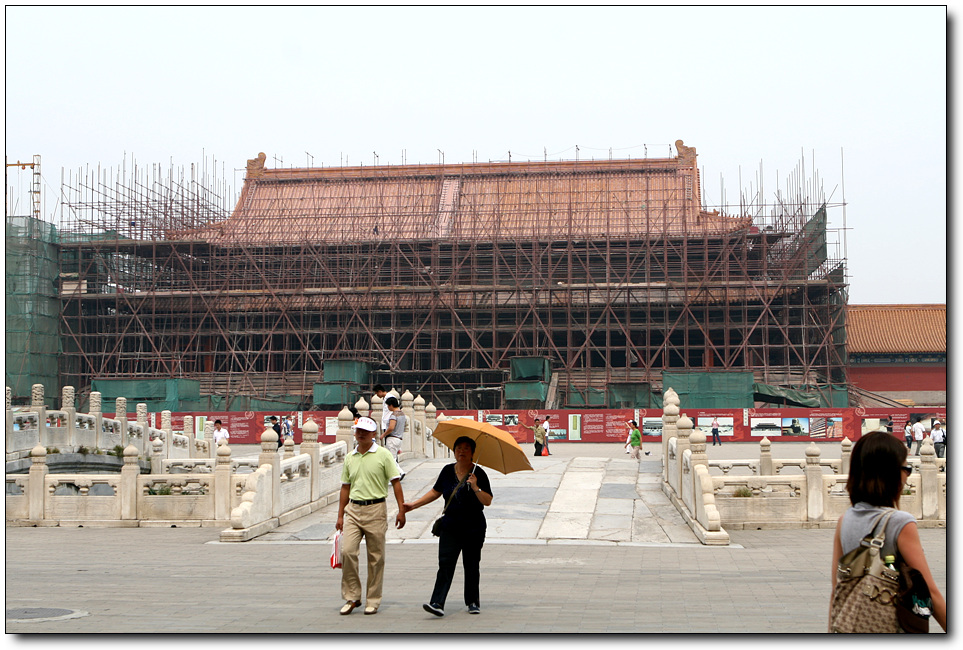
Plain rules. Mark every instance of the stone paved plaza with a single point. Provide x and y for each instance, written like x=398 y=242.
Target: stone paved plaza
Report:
x=585 y=544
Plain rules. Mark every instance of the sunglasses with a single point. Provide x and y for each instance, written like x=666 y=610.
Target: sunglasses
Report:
x=907 y=468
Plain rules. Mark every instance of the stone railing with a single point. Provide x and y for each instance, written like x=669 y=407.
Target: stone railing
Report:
x=713 y=498
x=67 y=431
x=197 y=492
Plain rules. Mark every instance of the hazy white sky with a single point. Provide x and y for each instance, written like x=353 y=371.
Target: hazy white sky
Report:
x=87 y=86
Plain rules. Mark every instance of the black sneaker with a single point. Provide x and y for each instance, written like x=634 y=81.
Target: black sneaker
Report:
x=474 y=609
x=433 y=608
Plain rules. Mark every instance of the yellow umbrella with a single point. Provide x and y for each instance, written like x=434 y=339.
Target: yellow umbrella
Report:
x=494 y=447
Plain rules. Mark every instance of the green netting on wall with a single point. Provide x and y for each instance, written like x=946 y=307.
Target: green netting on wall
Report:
x=531 y=368
x=585 y=396
x=32 y=307
x=630 y=396
x=711 y=389
x=159 y=394
x=527 y=390
x=326 y=394
x=340 y=371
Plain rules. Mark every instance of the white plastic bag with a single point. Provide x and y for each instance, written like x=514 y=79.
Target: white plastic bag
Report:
x=336 y=551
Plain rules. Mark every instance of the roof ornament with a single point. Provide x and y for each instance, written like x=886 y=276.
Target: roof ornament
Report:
x=255 y=166
x=686 y=154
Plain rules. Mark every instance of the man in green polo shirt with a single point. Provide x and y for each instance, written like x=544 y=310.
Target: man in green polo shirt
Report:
x=363 y=513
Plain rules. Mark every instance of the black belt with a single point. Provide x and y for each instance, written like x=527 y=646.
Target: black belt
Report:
x=368 y=502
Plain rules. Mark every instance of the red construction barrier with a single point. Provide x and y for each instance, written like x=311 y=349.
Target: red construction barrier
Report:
x=608 y=425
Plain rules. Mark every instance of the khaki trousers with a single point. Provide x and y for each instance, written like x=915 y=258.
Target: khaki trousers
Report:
x=634 y=454
x=371 y=523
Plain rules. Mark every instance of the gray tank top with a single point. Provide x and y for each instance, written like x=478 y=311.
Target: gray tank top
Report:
x=857 y=523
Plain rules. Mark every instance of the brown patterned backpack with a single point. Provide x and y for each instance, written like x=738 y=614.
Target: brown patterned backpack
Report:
x=866 y=589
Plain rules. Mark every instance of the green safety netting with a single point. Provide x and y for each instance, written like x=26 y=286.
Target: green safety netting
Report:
x=711 y=389
x=326 y=394
x=531 y=368
x=32 y=305
x=785 y=396
x=585 y=396
x=339 y=371
x=528 y=390
x=630 y=396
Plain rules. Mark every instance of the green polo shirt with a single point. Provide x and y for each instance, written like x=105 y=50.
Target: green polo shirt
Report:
x=369 y=473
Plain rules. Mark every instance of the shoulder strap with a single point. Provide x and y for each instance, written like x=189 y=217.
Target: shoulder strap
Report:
x=452 y=497
x=874 y=538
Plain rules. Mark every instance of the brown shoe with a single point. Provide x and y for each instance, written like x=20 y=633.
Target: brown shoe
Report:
x=349 y=606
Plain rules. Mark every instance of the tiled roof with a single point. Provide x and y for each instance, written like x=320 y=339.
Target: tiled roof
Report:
x=535 y=200
x=894 y=329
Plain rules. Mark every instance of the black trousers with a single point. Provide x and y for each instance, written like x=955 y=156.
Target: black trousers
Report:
x=538 y=448
x=467 y=543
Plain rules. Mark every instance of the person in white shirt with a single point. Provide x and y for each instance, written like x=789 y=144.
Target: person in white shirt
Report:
x=220 y=433
x=908 y=434
x=394 y=432
x=919 y=433
x=385 y=413
x=939 y=439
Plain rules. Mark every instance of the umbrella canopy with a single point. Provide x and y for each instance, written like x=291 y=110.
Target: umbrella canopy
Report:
x=494 y=448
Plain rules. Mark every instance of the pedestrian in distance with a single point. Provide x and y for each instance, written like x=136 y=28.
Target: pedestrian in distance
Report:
x=539 y=434
x=467 y=492
x=287 y=427
x=635 y=440
x=394 y=433
x=938 y=434
x=363 y=513
x=385 y=412
x=277 y=429
x=715 y=432
x=919 y=432
x=545 y=426
x=220 y=433
x=908 y=434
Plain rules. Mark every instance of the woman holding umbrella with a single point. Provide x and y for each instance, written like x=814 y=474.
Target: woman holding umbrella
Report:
x=467 y=491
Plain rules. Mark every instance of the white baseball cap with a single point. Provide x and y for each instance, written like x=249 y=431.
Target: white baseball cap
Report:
x=936 y=422
x=367 y=424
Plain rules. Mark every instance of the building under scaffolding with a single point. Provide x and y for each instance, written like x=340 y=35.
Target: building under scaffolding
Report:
x=484 y=285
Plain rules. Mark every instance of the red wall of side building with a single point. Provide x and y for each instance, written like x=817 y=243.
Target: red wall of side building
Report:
x=895 y=377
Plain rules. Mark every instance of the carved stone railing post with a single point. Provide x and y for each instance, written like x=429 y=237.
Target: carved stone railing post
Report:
x=362 y=407
x=141 y=414
x=814 y=484
x=9 y=416
x=36 y=490
x=697 y=447
x=683 y=429
x=418 y=432
x=765 y=457
x=311 y=447
x=128 y=482
x=345 y=421
x=188 y=429
x=120 y=414
x=670 y=416
x=845 y=456
x=269 y=456
x=222 y=483
x=68 y=406
x=37 y=404
x=157 y=456
x=209 y=438
x=929 y=485
x=407 y=407
x=168 y=433
x=288 y=447
x=431 y=423
x=96 y=410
